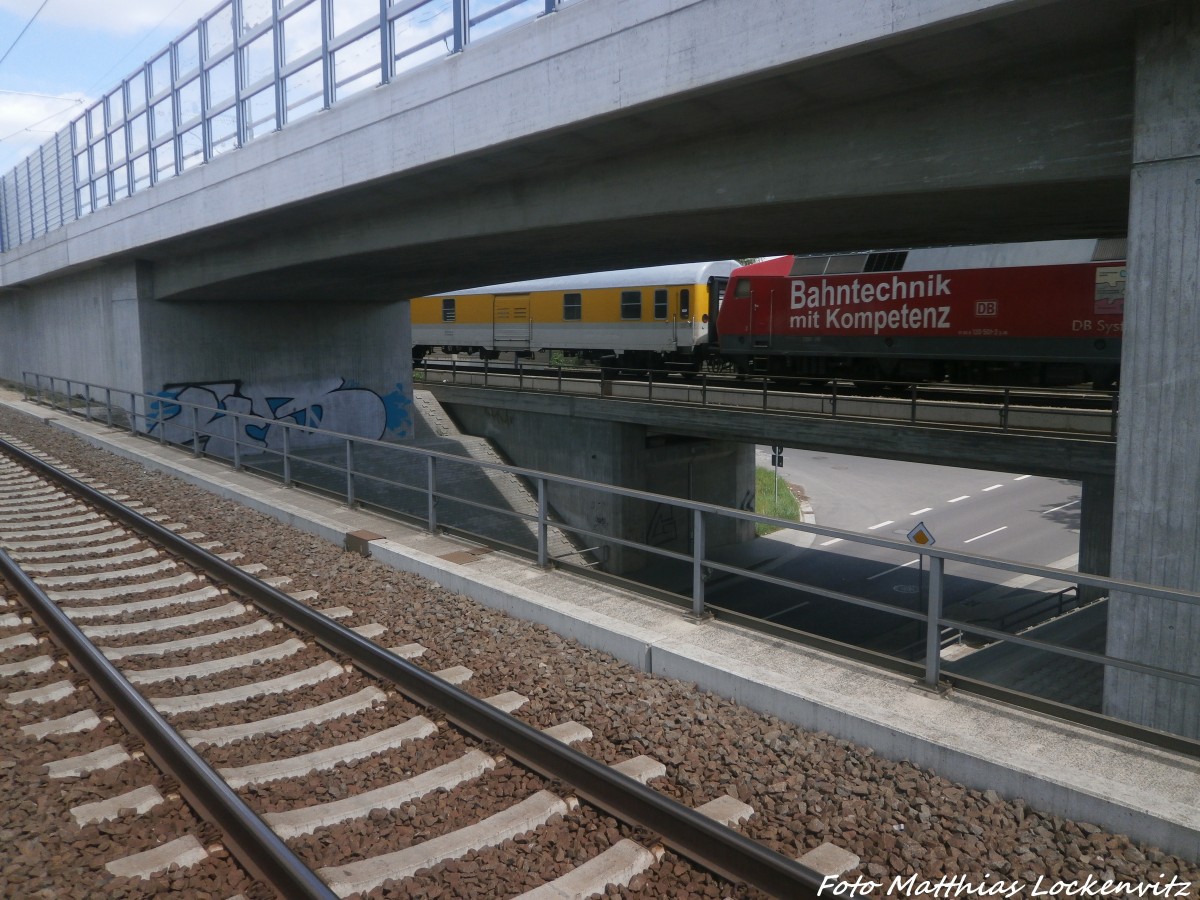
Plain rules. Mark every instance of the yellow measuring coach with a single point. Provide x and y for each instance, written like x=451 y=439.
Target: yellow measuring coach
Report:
x=653 y=317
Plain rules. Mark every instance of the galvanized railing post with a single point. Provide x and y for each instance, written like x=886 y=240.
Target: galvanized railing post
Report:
x=287 y=457
x=133 y=414
x=485 y=370
x=160 y=421
x=25 y=386
x=704 y=389
x=67 y=398
x=543 y=548
x=195 y=431
x=431 y=484
x=350 y=472
x=933 y=642
x=108 y=405
x=766 y=381
x=1004 y=410
x=913 y=415
x=649 y=384
x=87 y=400
x=237 y=447
x=697 y=564
x=520 y=376
x=560 y=379
x=833 y=400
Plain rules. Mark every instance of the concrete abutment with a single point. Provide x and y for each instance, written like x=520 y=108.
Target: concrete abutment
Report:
x=1157 y=499
x=629 y=456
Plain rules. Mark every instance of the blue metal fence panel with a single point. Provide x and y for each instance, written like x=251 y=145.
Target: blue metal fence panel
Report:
x=244 y=69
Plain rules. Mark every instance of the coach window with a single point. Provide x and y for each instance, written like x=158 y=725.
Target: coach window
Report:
x=631 y=304
x=685 y=304
x=660 y=304
x=447 y=309
x=572 y=307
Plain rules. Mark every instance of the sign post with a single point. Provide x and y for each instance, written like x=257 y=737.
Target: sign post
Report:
x=776 y=462
x=923 y=537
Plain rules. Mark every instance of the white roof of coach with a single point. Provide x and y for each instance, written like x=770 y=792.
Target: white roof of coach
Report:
x=682 y=273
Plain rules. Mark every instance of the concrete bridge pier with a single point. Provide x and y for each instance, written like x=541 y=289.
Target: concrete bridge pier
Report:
x=629 y=456
x=1156 y=533
x=1095 y=529
x=339 y=364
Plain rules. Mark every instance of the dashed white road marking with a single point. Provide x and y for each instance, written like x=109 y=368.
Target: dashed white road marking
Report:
x=893 y=569
x=1022 y=477
x=956 y=499
x=993 y=488
x=917 y=512
x=1057 y=508
x=985 y=534
x=881 y=525
x=831 y=542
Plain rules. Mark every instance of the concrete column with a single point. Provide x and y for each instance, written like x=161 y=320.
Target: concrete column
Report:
x=1156 y=532
x=1095 y=530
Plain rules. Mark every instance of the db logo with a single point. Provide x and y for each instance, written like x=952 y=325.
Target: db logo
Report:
x=987 y=308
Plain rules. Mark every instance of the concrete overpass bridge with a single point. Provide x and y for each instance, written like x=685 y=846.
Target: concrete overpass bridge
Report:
x=231 y=218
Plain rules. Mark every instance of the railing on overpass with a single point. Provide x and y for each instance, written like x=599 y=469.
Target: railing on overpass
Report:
x=332 y=463
x=247 y=68
x=1073 y=413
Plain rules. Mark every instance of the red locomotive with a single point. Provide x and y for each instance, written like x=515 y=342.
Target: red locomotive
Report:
x=1047 y=313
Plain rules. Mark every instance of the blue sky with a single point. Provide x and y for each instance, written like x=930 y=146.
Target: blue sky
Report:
x=75 y=51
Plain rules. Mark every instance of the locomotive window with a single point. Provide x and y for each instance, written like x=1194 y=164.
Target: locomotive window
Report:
x=886 y=262
x=685 y=306
x=742 y=291
x=572 y=307
x=631 y=304
x=660 y=304
x=447 y=309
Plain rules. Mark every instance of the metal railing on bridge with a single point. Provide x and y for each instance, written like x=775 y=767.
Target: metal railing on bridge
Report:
x=417 y=485
x=1068 y=413
x=247 y=68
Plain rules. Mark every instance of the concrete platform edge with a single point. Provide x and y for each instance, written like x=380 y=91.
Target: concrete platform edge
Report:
x=1059 y=768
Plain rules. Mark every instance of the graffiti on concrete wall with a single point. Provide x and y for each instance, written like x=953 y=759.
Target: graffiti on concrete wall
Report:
x=219 y=412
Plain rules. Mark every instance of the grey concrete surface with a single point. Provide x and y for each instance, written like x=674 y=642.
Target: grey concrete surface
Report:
x=890 y=126
x=1069 y=770
x=1157 y=496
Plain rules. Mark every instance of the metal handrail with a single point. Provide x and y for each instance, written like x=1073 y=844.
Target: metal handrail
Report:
x=999 y=409
x=933 y=616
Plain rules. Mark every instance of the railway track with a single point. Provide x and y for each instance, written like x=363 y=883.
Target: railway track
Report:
x=323 y=757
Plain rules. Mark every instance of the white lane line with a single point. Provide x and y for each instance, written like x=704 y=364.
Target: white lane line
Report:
x=784 y=612
x=956 y=499
x=985 y=534
x=830 y=543
x=918 y=512
x=893 y=569
x=1022 y=477
x=881 y=525
x=992 y=488
x=1057 y=508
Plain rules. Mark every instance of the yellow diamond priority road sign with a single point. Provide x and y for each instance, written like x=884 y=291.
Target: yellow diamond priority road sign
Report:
x=921 y=536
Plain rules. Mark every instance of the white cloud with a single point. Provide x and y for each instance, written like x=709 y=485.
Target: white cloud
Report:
x=128 y=17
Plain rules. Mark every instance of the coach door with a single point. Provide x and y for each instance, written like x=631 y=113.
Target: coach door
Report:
x=761 y=300
x=511 y=323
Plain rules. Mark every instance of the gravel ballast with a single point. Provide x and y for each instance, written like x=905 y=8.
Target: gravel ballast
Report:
x=806 y=788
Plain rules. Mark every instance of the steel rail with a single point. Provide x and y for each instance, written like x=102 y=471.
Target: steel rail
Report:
x=702 y=840
x=249 y=838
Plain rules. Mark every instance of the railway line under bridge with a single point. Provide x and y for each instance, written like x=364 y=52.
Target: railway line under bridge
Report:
x=262 y=252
